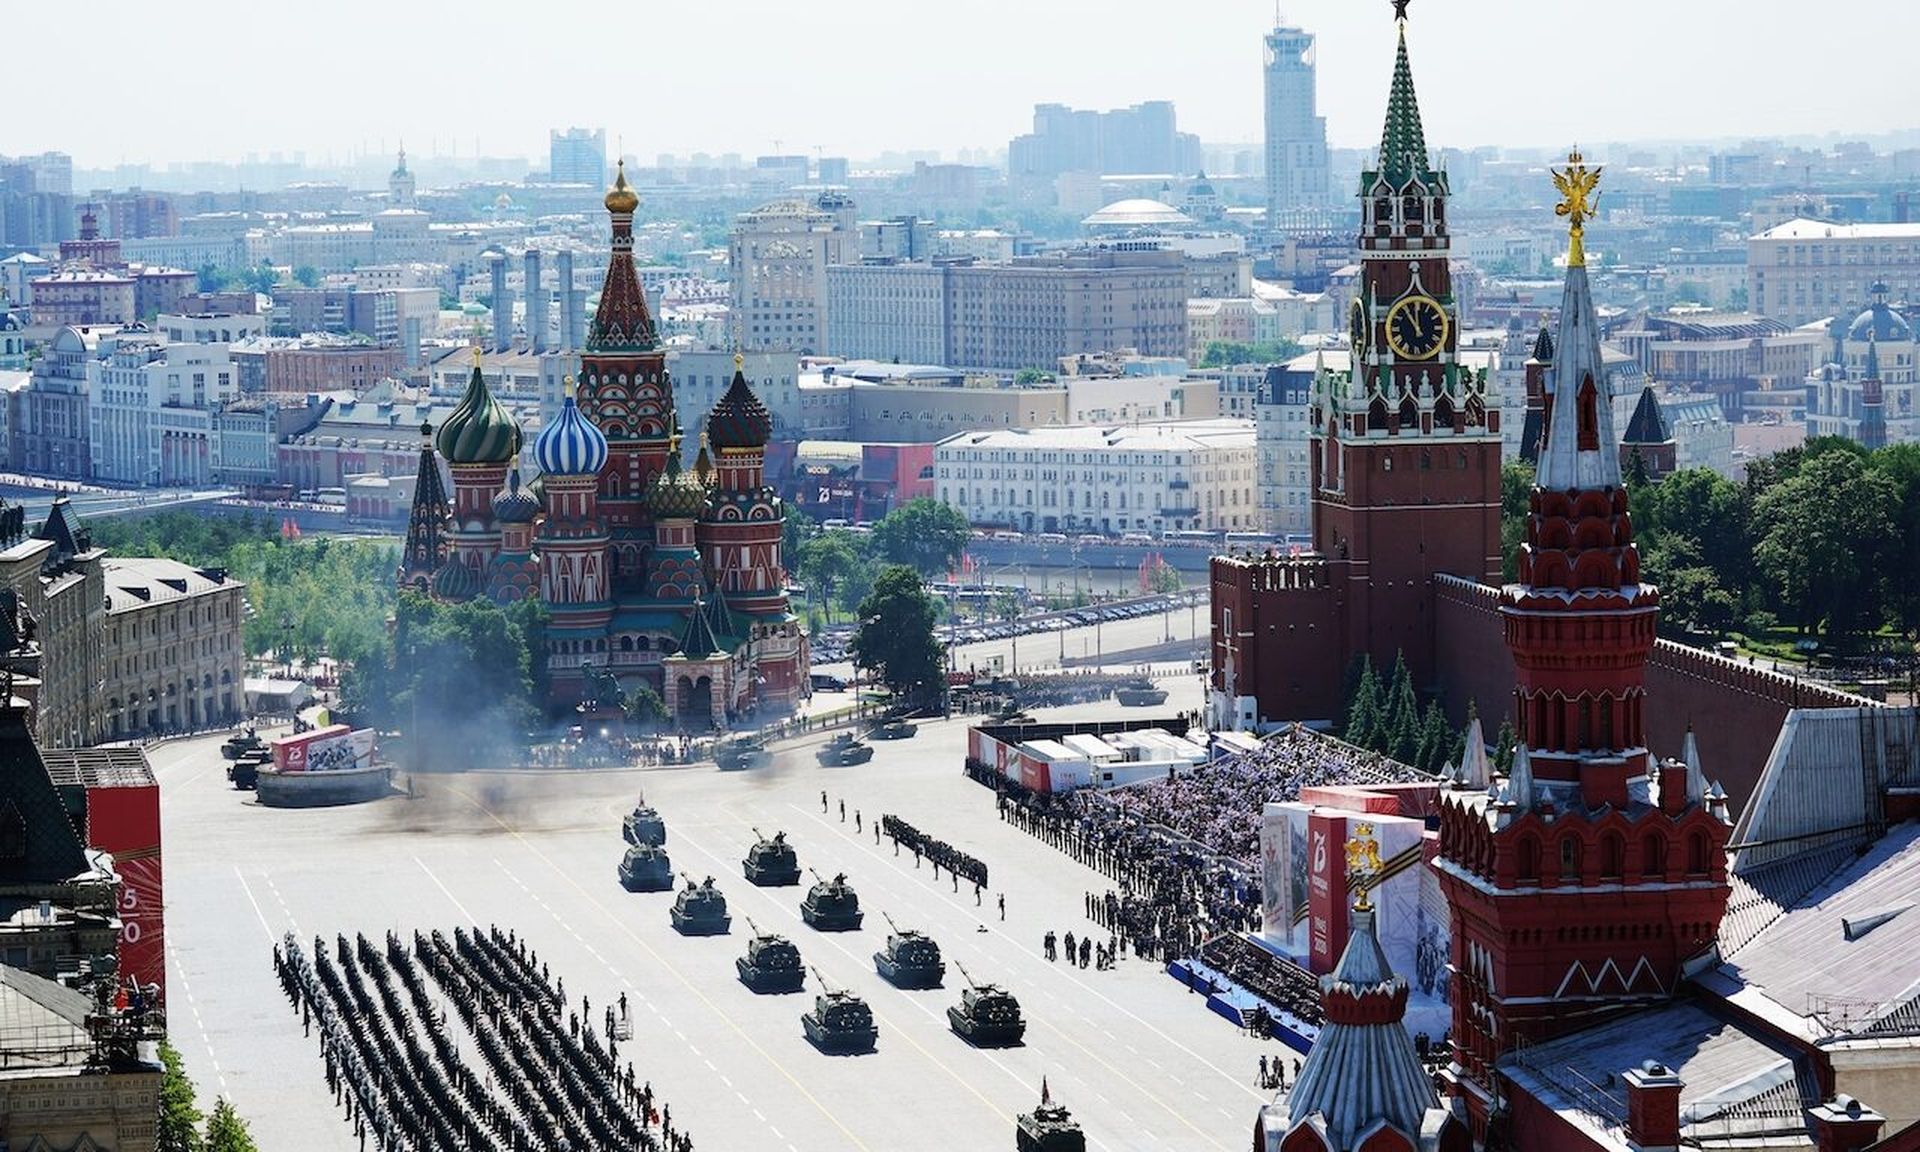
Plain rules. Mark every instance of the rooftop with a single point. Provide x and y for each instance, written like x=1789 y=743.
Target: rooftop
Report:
x=136 y=581
x=1804 y=229
x=1184 y=435
x=1136 y=213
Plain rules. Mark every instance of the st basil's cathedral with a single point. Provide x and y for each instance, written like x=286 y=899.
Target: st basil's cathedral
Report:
x=652 y=573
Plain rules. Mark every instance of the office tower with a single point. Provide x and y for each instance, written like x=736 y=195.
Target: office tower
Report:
x=577 y=156
x=1296 y=134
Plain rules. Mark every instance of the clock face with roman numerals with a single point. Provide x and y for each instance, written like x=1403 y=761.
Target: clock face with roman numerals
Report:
x=1416 y=328
x=1357 y=330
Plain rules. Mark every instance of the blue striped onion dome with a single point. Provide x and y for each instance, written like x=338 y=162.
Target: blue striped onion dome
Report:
x=571 y=445
x=456 y=581
x=739 y=420
x=479 y=430
x=514 y=504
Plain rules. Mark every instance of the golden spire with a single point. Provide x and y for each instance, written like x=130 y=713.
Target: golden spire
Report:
x=476 y=353
x=1363 y=862
x=703 y=464
x=622 y=199
x=739 y=362
x=567 y=386
x=1579 y=200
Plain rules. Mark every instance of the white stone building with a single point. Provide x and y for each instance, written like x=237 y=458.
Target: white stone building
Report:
x=1147 y=478
x=150 y=411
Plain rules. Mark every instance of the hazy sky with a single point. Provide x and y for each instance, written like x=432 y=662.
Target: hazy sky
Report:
x=217 y=79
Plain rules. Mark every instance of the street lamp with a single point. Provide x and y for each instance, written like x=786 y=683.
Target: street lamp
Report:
x=286 y=643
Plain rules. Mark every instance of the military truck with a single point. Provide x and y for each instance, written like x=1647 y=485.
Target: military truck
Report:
x=1048 y=1128
x=771 y=863
x=844 y=750
x=244 y=772
x=987 y=1016
x=831 y=905
x=911 y=959
x=772 y=963
x=740 y=752
x=700 y=910
x=840 y=1021
x=644 y=826
x=645 y=868
x=1139 y=693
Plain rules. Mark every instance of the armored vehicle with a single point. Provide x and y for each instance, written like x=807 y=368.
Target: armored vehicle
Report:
x=843 y=750
x=700 y=910
x=831 y=905
x=896 y=729
x=741 y=752
x=645 y=868
x=840 y=1021
x=771 y=863
x=244 y=772
x=911 y=960
x=1139 y=694
x=243 y=741
x=772 y=963
x=644 y=826
x=1048 y=1128
x=987 y=1016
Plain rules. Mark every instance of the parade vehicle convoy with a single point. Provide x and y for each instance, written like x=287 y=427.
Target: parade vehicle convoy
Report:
x=987 y=1016
x=771 y=863
x=700 y=910
x=895 y=729
x=840 y=1021
x=911 y=958
x=772 y=963
x=844 y=750
x=646 y=868
x=1139 y=694
x=831 y=905
x=644 y=826
x=741 y=752
x=1048 y=1128
x=241 y=742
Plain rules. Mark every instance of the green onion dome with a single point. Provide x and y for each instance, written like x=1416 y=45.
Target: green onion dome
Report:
x=456 y=581
x=479 y=430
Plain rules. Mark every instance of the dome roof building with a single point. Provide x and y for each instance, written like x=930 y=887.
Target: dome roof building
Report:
x=739 y=420
x=514 y=504
x=677 y=495
x=455 y=582
x=1138 y=213
x=479 y=430
x=1879 y=322
x=571 y=445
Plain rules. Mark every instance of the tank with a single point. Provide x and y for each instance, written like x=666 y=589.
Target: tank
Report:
x=831 y=905
x=700 y=910
x=243 y=741
x=893 y=730
x=644 y=826
x=772 y=963
x=645 y=868
x=740 y=752
x=911 y=959
x=244 y=772
x=771 y=863
x=1048 y=1128
x=1139 y=694
x=844 y=749
x=840 y=1021
x=987 y=1016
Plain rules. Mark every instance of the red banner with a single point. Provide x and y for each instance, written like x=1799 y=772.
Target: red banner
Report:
x=1326 y=890
x=126 y=822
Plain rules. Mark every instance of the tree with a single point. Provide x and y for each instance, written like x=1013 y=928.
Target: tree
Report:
x=307 y=276
x=644 y=706
x=895 y=637
x=1516 y=486
x=226 y=1131
x=1363 y=718
x=455 y=677
x=795 y=531
x=1162 y=577
x=1401 y=722
x=923 y=534
x=1899 y=464
x=1028 y=376
x=830 y=561
x=210 y=277
x=178 y=1125
x=1821 y=533
x=261 y=277
x=1503 y=745
x=1434 y=746
x=1223 y=353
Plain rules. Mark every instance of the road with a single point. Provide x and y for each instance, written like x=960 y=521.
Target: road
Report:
x=1139 y=1059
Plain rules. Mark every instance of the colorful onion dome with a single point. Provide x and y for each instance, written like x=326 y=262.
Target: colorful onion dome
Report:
x=456 y=581
x=479 y=430
x=676 y=495
x=739 y=420
x=514 y=504
x=621 y=198
x=571 y=445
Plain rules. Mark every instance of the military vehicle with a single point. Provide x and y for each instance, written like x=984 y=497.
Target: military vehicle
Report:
x=1048 y=1128
x=911 y=960
x=895 y=729
x=644 y=826
x=243 y=741
x=1139 y=694
x=843 y=750
x=832 y=905
x=987 y=1016
x=700 y=910
x=645 y=868
x=771 y=863
x=741 y=752
x=840 y=1021
x=244 y=773
x=772 y=963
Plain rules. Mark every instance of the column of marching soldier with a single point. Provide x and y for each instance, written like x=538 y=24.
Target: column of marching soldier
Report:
x=549 y=1083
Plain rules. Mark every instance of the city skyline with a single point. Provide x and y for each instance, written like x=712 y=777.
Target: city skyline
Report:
x=438 y=84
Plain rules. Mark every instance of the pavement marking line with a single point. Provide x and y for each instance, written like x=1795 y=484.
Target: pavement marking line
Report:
x=462 y=908
x=180 y=977
x=1036 y=959
x=261 y=916
x=725 y=1018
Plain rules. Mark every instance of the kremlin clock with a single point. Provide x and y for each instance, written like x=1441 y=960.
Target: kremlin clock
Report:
x=1416 y=328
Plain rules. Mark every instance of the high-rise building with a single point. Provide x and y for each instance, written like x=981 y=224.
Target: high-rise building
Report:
x=1296 y=133
x=577 y=156
x=1141 y=139
x=778 y=256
